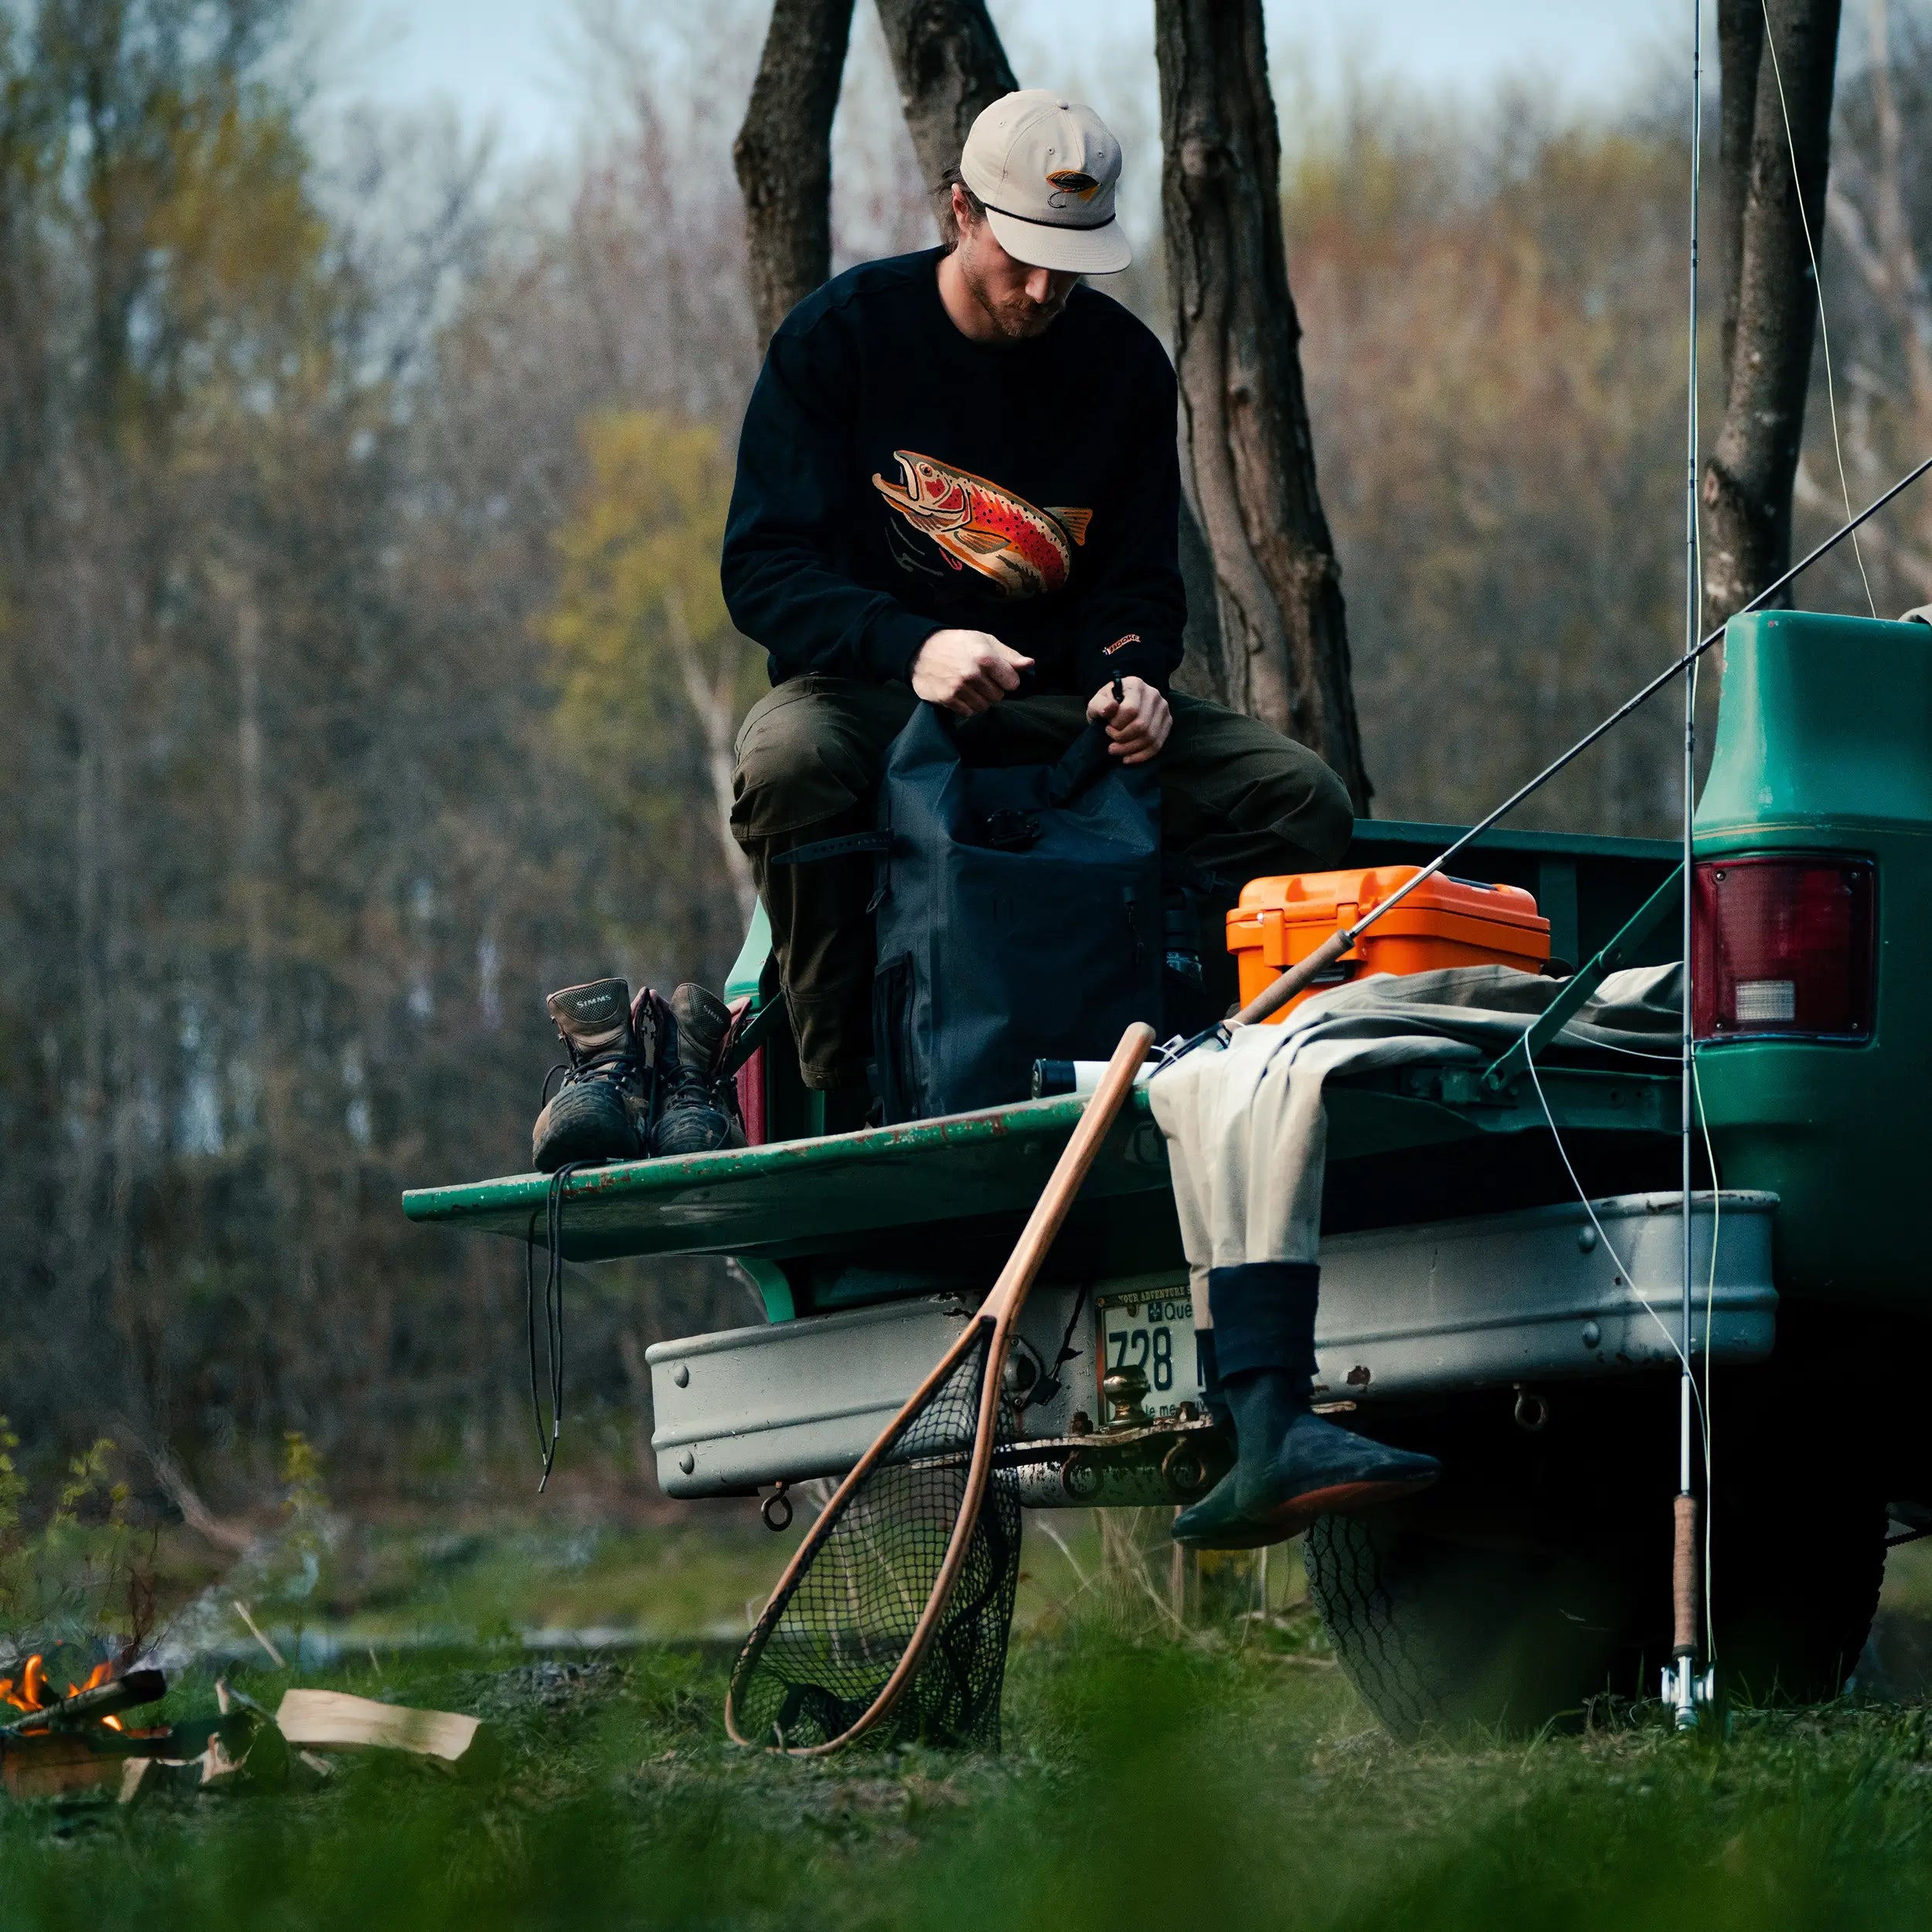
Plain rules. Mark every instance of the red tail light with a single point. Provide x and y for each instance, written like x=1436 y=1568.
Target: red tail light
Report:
x=1782 y=946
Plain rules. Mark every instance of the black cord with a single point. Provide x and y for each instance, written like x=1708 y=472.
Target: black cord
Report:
x=546 y=1444
x=556 y=1330
x=529 y=1325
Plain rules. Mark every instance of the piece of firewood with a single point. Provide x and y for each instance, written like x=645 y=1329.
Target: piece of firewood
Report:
x=58 y=1764
x=117 y=1694
x=335 y=1721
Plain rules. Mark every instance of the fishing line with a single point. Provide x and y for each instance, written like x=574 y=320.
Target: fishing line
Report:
x=1710 y=1311
x=1629 y=1279
x=1817 y=288
x=1632 y=1052
x=1717 y=1206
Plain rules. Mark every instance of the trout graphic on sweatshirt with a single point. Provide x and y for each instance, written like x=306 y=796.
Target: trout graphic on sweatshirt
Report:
x=1022 y=551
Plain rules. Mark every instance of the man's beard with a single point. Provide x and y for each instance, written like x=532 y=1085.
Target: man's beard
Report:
x=1018 y=317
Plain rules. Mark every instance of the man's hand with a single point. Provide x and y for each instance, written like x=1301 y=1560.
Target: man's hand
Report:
x=967 y=671
x=1137 y=722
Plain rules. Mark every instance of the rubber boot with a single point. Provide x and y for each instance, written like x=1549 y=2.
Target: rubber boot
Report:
x=1216 y=1515
x=1214 y=1395
x=1292 y=1465
x=698 y=1112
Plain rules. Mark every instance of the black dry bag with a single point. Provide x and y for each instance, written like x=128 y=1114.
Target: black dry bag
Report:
x=1018 y=918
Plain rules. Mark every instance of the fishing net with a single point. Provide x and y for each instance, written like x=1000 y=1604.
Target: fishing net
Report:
x=827 y=1644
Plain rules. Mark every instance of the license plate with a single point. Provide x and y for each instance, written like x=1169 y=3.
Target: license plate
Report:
x=1152 y=1329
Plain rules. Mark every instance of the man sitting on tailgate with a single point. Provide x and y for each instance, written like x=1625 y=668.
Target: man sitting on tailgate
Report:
x=958 y=481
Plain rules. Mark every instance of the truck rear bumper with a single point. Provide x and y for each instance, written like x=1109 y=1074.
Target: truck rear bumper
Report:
x=1531 y=1297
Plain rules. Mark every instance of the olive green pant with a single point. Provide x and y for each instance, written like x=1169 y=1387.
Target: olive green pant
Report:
x=1238 y=802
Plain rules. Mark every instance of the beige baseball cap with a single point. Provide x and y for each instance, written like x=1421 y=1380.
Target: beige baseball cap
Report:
x=1046 y=169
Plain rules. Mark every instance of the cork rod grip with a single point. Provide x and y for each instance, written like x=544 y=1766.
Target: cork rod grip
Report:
x=1277 y=993
x=1684 y=1576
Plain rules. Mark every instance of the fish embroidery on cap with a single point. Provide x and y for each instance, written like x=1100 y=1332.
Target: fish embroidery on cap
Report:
x=1022 y=551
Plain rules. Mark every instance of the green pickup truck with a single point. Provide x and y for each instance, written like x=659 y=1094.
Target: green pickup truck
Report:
x=1471 y=1304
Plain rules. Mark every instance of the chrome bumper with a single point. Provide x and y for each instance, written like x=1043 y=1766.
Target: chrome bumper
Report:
x=1532 y=1296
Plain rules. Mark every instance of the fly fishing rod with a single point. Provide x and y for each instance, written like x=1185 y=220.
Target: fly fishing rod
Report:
x=1298 y=976
x=1078 y=1075
x=1684 y=1689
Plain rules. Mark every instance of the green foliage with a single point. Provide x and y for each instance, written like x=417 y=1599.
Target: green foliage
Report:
x=292 y=1568
x=639 y=619
x=304 y=1500
x=82 y=1569
x=643 y=645
x=13 y=1486
x=640 y=558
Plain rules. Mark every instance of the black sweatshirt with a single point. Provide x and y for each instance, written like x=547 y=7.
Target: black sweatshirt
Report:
x=896 y=478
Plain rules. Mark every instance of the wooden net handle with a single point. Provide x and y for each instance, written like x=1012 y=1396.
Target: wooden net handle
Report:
x=1070 y=1171
x=1001 y=1307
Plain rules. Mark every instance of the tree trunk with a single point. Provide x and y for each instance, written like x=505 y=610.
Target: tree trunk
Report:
x=1285 y=654
x=783 y=154
x=949 y=62
x=1748 y=480
x=1740 y=43
x=948 y=56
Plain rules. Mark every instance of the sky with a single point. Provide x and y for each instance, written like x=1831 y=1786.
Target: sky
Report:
x=505 y=61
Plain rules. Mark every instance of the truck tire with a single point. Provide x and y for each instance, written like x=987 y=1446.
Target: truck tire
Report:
x=1796 y=1570
x=1441 y=1632
x=1504 y=1632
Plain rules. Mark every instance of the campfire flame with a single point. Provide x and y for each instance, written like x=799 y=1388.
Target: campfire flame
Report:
x=30 y=1692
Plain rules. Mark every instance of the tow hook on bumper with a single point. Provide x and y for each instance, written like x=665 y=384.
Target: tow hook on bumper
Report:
x=1171 y=1461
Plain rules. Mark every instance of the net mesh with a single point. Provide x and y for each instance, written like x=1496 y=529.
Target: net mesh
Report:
x=823 y=1651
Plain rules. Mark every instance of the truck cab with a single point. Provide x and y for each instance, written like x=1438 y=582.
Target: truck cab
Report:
x=1501 y=1249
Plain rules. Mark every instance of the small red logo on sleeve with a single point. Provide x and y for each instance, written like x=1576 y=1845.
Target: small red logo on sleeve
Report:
x=1119 y=643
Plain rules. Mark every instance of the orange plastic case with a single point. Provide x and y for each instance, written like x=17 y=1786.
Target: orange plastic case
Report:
x=1446 y=922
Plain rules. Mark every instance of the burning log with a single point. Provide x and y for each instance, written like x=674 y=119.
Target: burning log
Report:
x=57 y=1747
x=94 y=1701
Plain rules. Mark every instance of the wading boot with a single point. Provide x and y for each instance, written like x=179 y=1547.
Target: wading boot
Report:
x=1292 y=1466
x=1214 y=1395
x=698 y=1111
x=602 y=1112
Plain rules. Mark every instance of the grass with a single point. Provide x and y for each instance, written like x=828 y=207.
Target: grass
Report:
x=1146 y=1785
x=1224 y=1781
